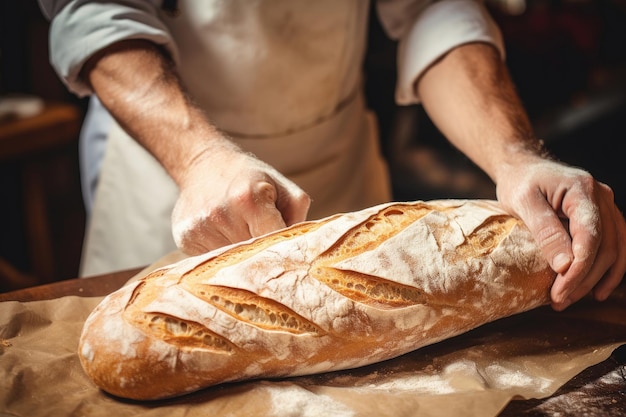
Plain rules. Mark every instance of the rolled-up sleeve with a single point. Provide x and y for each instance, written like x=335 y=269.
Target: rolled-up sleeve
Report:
x=427 y=30
x=79 y=29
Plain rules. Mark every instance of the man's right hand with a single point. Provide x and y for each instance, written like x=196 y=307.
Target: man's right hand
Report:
x=226 y=195
x=230 y=197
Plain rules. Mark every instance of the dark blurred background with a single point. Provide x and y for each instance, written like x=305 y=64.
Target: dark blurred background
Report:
x=567 y=58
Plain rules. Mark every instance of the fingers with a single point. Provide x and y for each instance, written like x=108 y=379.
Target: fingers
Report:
x=598 y=242
x=247 y=206
x=276 y=202
x=570 y=263
x=585 y=229
x=612 y=278
x=195 y=235
x=293 y=203
x=576 y=224
x=549 y=232
x=211 y=227
x=262 y=215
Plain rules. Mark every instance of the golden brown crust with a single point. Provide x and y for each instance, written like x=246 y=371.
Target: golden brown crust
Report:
x=345 y=291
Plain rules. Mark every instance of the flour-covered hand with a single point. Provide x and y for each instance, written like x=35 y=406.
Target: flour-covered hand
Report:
x=576 y=223
x=231 y=197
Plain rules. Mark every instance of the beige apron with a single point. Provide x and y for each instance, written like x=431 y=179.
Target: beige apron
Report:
x=337 y=162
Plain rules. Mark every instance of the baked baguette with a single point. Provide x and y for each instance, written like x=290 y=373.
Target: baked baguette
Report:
x=338 y=293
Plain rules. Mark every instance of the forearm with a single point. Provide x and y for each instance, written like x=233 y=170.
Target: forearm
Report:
x=138 y=84
x=470 y=97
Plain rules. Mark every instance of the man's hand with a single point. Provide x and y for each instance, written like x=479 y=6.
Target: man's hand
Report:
x=469 y=95
x=230 y=198
x=575 y=222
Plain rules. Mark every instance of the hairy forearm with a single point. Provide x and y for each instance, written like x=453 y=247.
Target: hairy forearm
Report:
x=470 y=97
x=138 y=84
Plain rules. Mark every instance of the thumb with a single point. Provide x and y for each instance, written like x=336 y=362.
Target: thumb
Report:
x=292 y=202
x=265 y=216
x=549 y=232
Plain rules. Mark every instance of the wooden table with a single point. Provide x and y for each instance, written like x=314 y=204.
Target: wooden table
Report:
x=84 y=287
x=29 y=141
x=598 y=391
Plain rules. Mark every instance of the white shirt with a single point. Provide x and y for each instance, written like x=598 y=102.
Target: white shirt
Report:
x=305 y=65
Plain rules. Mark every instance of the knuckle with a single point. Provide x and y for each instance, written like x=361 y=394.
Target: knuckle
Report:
x=606 y=191
x=587 y=182
x=215 y=215
x=241 y=197
x=586 y=176
x=303 y=199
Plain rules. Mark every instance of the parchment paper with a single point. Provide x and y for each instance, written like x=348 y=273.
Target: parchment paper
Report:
x=476 y=374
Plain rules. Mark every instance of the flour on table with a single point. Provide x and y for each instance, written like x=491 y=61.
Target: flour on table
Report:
x=505 y=378
x=288 y=400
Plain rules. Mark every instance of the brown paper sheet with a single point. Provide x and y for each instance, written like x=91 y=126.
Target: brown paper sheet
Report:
x=529 y=355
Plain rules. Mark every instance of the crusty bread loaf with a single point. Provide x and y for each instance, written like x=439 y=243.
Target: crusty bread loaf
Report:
x=337 y=293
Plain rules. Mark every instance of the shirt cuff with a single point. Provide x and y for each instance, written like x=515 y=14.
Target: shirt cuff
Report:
x=437 y=29
x=82 y=28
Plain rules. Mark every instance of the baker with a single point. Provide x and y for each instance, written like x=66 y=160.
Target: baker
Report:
x=233 y=119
